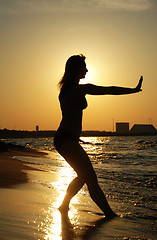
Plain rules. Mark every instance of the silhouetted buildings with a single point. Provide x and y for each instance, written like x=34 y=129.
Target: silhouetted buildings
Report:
x=122 y=127
x=137 y=129
x=143 y=129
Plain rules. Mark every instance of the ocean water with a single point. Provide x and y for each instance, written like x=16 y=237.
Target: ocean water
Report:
x=127 y=172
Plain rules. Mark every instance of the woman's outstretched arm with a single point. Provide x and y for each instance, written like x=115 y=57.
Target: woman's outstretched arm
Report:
x=99 y=90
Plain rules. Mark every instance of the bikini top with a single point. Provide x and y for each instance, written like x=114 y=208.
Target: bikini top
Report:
x=72 y=98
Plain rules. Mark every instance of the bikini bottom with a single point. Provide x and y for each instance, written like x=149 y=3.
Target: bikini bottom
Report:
x=62 y=136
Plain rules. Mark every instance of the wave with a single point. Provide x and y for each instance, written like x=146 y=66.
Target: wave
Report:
x=142 y=144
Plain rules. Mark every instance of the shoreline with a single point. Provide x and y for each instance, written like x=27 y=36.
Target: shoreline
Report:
x=12 y=171
x=32 y=197
x=13 y=134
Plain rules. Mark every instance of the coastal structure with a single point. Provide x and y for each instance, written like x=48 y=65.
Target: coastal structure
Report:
x=143 y=129
x=122 y=127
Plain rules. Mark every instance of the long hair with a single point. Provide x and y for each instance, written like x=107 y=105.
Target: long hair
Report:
x=71 y=69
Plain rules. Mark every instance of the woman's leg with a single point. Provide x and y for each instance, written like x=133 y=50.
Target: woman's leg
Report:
x=75 y=155
x=73 y=188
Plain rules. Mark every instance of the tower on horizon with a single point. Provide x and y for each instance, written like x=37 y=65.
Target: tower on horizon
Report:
x=37 y=128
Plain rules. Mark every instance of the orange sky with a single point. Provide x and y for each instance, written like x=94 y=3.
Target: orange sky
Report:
x=118 y=38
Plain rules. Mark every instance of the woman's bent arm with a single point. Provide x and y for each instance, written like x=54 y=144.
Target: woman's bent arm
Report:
x=100 y=90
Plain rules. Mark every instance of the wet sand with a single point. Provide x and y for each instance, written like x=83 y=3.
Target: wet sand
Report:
x=29 y=206
x=12 y=170
x=30 y=211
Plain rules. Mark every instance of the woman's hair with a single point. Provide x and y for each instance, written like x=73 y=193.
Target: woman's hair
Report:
x=72 y=67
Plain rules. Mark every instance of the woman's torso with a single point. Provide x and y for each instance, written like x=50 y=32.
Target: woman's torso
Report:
x=72 y=102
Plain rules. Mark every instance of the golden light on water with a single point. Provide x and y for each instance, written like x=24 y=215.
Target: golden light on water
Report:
x=53 y=230
x=52 y=226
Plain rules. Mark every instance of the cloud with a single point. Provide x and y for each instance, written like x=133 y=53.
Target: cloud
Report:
x=131 y=5
x=48 y=6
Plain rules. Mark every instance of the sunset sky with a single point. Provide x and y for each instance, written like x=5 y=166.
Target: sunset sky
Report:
x=118 y=38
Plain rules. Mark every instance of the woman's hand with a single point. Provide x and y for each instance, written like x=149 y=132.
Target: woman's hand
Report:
x=138 y=87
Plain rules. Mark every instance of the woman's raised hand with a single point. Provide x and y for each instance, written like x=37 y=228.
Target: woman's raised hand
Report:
x=139 y=85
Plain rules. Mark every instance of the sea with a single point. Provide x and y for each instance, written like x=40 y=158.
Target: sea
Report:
x=126 y=167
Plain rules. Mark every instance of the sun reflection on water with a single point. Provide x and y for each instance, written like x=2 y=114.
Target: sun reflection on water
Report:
x=52 y=226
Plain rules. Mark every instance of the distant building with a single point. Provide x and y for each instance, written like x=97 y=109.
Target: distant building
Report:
x=122 y=127
x=143 y=129
x=37 y=128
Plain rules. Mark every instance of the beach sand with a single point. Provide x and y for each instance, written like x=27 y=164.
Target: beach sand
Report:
x=29 y=201
x=12 y=170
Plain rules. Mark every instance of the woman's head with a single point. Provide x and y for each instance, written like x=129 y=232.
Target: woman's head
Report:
x=75 y=69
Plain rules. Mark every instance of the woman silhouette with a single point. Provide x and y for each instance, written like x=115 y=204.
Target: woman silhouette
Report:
x=66 y=141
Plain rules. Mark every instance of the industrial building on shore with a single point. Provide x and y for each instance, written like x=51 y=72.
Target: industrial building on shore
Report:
x=123 y=128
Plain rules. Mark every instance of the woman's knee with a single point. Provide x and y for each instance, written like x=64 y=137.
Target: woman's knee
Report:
x=91 y=180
